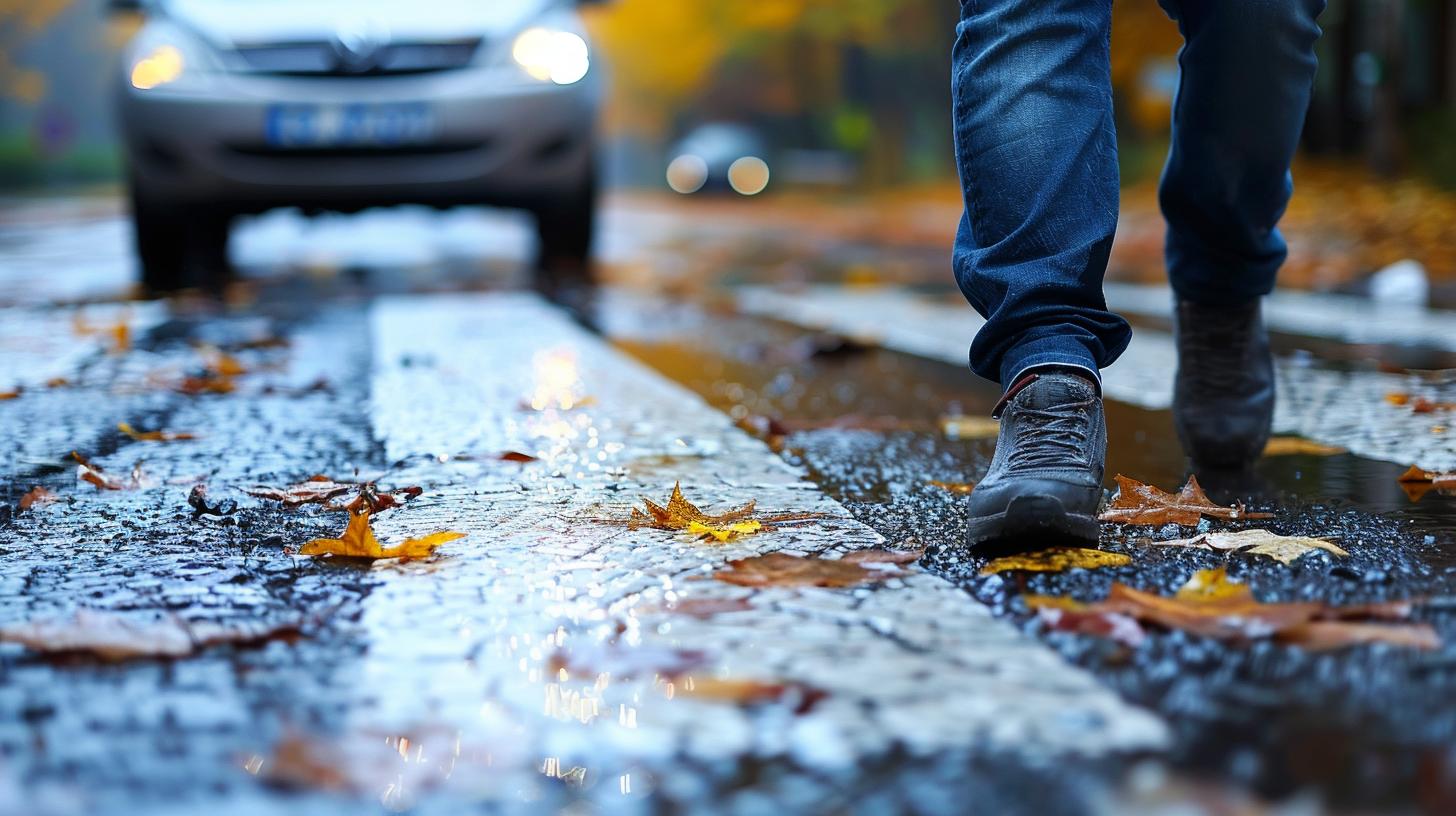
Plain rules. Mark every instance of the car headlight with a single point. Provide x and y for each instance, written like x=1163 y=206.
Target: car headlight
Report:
x=165 y=56
x=161 y=65
x=552 y=55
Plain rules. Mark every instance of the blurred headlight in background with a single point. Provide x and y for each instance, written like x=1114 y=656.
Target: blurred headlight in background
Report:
x=157 y=67
x=558 y=56
x=749 y=175
x=687 y=174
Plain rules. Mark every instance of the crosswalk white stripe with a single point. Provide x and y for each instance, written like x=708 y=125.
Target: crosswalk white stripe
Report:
x=914 y=662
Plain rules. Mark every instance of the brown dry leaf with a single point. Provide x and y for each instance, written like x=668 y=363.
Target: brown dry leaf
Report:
x=963 y=488
x=1284 y=549
x=784 y=570
x=517 y=456
x=706 y=607
x=907 y=552
x=1322 y=635
x=1428 y=406
x=1111 y=625
x=371 y=499
x=88 y=472
x=358 y=541
x=1212 y=605
x=385 y=767
x=970 y=427
x=117 y=636
x=1417 y=483
x=1138 y=503
x=38 y=497
x=154 y=436
x=752 y=692
x=1056 y=559
x=13 y=393
x=680 y=514
x=1299 y=446
x=317 y=489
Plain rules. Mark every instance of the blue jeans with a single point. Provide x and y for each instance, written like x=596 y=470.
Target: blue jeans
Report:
x=1036 y=148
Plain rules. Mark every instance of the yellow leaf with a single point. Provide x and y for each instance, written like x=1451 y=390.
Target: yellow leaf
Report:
x=1056 y=559
x=1299 y=446
x=1212 y=585
x=358 y=541
x=723 y=534
x=153 y=436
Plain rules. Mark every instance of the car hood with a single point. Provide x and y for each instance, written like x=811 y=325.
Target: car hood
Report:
x=236 y=22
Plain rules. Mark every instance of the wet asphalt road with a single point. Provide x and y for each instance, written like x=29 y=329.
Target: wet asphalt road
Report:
x=1367 y=729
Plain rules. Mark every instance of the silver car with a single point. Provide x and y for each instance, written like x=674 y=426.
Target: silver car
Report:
x=237 y=106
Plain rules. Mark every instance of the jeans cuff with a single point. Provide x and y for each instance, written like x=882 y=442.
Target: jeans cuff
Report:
x=1048 y=352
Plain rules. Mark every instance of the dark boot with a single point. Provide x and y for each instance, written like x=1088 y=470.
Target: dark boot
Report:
x=1223 y=397
x=1045 y=481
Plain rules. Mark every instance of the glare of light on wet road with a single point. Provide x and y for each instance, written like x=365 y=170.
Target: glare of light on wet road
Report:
x=557 y=381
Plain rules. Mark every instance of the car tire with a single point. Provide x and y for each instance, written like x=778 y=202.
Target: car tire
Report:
x=179 y=248
x=565 y=229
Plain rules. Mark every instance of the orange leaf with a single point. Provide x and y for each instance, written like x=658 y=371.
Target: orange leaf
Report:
x=38 y=497
x=1138 y=503
x=358 y=541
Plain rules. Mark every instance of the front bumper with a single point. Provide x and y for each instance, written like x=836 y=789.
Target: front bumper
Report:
x=502 y=142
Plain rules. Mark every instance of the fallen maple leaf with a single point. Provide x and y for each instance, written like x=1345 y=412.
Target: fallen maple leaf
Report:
x=13 y=393
x=1110 y=625
x=1284 y=549
x=38 y=497
x=316 y=489
x=726 y=532
x=705 y=607
x=1417 y=483
x=963 y=488
x=1212 y=605
x=1139 y=503
x=1056 y=559
x=784 y=570
x=358 y=541
x=153 y=436
x=517 y=456
x=116 y=636
x=1299 y=446
x=371 y=499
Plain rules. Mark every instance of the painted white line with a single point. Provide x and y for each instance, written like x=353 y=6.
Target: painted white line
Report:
x=914 y=663
x=1341 y=408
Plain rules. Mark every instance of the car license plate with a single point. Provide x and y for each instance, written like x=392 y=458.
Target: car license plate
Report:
x=354 y=125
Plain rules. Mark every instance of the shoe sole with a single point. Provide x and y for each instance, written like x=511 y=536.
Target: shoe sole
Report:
x=1032 y=522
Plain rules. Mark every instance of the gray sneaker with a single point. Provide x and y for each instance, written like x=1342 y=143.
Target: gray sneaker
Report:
x=1045 y=481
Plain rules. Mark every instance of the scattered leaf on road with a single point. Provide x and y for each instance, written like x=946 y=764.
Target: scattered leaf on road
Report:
x=963 y=488
x=752 y=692
x=370 y=498
x=517 y=456
x=153 y=436
x=1138 y=503
x=907 y=552
x=970 y=427
x=38 y=497
x=1212 y=605
x=13 y=393
x=118 y=636
x=92 y=473
x=1299 y=446
x=1056 y=559
x=1110 y=625
x=358 y=541
x=317 y=489
x=726 y=532
x=784 y=570
x=1417 y=483
x=680 y=514
x=706 y=607
x=1284 y=549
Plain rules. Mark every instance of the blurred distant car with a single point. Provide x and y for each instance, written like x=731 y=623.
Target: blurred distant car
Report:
x=238 y=106
x=719 y=157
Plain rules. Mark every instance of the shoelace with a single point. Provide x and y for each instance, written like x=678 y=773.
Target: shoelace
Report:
x=1055 y=437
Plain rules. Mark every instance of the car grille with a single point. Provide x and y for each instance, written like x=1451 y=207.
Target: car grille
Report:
x=325 y=59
